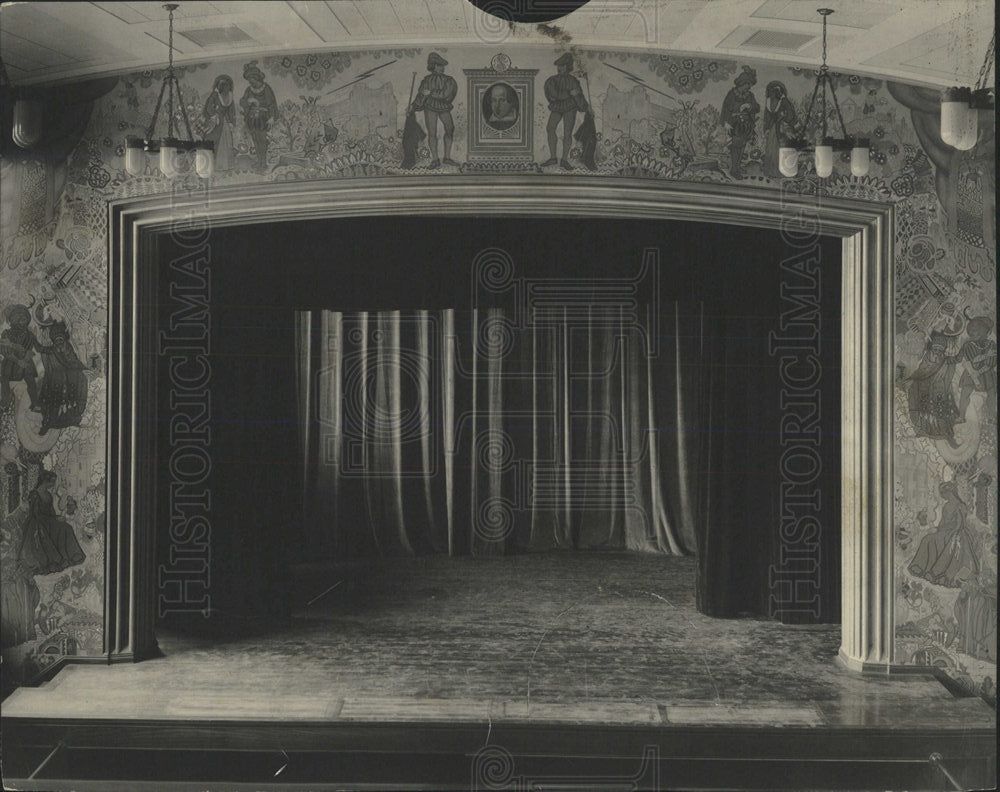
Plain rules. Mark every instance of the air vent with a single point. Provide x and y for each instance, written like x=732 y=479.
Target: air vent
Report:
x=217 y=37
x=777 y=40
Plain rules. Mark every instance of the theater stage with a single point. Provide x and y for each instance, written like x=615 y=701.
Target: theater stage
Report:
x=578 y=669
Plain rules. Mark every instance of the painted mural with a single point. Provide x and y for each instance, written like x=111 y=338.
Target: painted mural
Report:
x=372 y=113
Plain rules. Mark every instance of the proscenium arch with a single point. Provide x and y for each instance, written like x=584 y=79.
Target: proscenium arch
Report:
x=867 y=344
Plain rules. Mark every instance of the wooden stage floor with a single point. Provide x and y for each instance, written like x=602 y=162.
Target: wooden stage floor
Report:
x=557 y=641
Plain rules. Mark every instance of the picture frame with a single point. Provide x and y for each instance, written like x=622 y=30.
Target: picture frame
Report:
x=501 y=112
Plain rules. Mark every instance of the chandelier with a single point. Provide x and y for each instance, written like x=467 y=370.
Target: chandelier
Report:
x=788 y=153
x=169 y=147
x=960 y=106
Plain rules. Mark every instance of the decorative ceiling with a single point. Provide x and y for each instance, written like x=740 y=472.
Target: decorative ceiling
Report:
x=928 y=42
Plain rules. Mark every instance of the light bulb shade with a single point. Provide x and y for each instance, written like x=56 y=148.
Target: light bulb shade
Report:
x=168 y=157
x=788 y=161
x=135 y=156
x=26 y=129
x=204 y=159
x=957 y=116
x=824 y=159
x=860 y=158
x=971 y=133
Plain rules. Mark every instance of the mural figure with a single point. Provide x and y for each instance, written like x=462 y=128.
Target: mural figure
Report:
x=869 y=106
x=260 y=108
x=739 y=114
x=976 y=613
x=946 y=556
x=63 y=392
x=48 y=544
x=979 y=356
x=20 y=598
x=17 y=345
x=932 y=407
x=565 y=98
x=982 y=489
x=436 y=97
x=220 y=121
x=779 y=124
x=500 y=108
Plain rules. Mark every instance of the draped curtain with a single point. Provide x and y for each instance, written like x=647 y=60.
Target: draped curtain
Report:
x=472 y=432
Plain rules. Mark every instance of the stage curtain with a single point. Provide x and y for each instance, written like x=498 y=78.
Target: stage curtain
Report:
x=487 y=433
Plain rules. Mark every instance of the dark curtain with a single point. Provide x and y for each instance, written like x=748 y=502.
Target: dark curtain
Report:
x=464 y=433
x=710 y=372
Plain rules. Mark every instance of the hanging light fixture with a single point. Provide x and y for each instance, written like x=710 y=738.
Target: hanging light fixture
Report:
x=960 y=106
x=823 y=150
x=26 y=119
x=26 y=127
x=170 y=147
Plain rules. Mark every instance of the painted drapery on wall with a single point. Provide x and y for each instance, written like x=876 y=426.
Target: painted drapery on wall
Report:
x=335 y=115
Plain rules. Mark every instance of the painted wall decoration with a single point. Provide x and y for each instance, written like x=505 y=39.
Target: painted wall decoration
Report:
x=501 y=103
x=640 y=115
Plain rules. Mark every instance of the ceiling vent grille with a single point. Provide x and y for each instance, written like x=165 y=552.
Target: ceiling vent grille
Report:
x=777 y=40
x=218 y=37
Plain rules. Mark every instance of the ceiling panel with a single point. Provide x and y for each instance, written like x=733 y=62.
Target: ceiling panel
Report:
x=952 y=52
x=414 y=17
x=348 y=15
x=19 y=53
x=766 y=40
x=320 y=20
x=847 y=13
x=380 y=18
x=155 y=12
x=930 y=42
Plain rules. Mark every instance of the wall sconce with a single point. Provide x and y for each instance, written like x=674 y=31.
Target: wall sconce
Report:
x=26 y=129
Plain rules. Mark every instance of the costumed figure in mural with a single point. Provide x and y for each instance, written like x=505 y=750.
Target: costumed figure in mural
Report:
x=779 y=124
x=931 y=402
x=565 y=97
x=220 y=121
x=19 y=601
x=869 y=106
x=49 y=543
x=435 y=97
x=739 y=114
x=946 y=556
x=979 y=356
x=17 y=346
x=18 y=591
x=981 y=486
x=976 y=614
x=260 y=108
x=62 y=394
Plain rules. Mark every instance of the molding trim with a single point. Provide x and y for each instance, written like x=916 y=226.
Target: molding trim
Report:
x=867 y=364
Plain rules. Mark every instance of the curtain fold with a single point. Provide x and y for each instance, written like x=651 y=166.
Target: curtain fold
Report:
x=471 y=434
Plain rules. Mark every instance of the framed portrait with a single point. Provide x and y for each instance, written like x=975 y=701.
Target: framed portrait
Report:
x=500 y=102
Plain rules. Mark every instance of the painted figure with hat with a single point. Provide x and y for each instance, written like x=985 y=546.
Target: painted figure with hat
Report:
x=565 y=98
x=978 y=360
x=18 y=345
x=62 y=394
x=435 y=97
x=931 y=403
x=260 y=108
x=780 y=123
x=220 y=121
x=739 y=114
